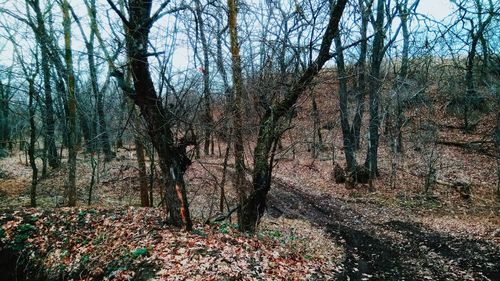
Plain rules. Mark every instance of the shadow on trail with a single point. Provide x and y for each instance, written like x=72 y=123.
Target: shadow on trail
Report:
x=395 y=249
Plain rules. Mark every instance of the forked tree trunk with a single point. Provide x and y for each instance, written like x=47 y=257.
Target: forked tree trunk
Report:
x=172 y=158
x=102 y=132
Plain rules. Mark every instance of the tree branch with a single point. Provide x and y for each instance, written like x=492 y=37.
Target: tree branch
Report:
x=158 y=14
x=122 y=17
x=351 y=45
x=315 y=67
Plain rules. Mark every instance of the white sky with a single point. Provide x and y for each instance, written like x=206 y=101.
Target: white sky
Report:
x=438 y=9
x=182 y=59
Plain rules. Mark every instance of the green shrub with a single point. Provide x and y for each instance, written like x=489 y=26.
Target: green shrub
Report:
x=23 y=232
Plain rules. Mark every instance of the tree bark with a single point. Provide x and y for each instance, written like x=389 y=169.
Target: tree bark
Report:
x=497 y=138
x=72 y=150
x=361 y=71
x=143 y=181
x=50 y=150
x=239 y=154
x=403 y=74
x=347 y=133
x=31 y=148
x=4 y=117
x=173 y=160
x=371 y=162
x=141 y=159
x=207 y=113
x=317 y=146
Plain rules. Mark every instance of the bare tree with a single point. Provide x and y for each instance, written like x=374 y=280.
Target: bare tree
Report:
x=98 y=94
x=347 y=133
x=72 y=149
x=173 y=159
x=5 y=126
x=239 y=153
x=31 y=148
x=365 y=11
x=476 y=34
x=269 y=134
x=374 y=87
x=42 y=38
x=205 y=69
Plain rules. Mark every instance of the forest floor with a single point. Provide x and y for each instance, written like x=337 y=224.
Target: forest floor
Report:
x=315 y=229
x=387 y=243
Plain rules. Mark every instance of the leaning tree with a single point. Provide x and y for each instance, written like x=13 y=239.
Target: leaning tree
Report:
x=172 y=154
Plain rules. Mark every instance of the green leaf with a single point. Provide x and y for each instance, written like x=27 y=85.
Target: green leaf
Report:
x=199 y=232
x=139 y=252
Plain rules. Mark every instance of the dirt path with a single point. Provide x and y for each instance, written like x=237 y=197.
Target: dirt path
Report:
x=384 y=243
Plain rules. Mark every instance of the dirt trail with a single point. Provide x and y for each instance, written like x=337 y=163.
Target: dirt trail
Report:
x=383 y=243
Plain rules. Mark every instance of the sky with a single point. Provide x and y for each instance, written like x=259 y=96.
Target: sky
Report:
x=437 y=9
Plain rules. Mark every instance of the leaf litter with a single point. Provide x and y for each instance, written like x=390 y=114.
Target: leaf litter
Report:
x=120 y=244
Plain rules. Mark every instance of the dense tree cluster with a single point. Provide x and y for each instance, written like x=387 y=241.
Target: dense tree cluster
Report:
x=178 y=79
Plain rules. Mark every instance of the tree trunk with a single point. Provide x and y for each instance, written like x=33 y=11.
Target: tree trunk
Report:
x=61 y=110
x=41 y=36
x=141 y=160
x=152 y=173
x=347 y=133
x=207 y=113
x=87 y=130
x=102 y=132
x=143 y=182
x=239 y=182
x=403 y=73
x=93 y=166
x=317 y=145
x=222 y=197
x=253 y=208
x=104 y=142
x=361 y=71
x=471 y=95
x=371 y=162
x=72 y=150
x=4 y=117
x=172 y=157
x=496 y=136
x=31 y=148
